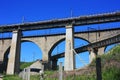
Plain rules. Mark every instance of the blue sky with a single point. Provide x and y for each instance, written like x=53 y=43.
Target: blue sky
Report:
x=13 y=11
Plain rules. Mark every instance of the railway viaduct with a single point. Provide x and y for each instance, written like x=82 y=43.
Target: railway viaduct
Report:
x=48 y=43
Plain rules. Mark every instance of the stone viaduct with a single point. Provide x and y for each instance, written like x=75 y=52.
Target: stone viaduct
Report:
x=48 y=43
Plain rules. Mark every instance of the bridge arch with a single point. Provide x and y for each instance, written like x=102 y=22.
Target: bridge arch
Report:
x=50 y=52
x=109 y=47
x=35 y=45
x=32 y=42
x=59 y=41
x=6 y=55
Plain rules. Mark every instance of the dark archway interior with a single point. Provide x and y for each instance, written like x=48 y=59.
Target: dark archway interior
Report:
x=5 y=61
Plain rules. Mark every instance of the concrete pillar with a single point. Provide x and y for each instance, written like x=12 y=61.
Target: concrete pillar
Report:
x=45 y=51
x=54 y=64
x=101 y=51
x=93 y=53
x=69 y=55
x=45 y=56
x=14 y=56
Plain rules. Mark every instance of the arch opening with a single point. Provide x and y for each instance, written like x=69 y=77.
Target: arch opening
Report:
x=81 y=59
x=30 y=52
x=109 y=47
x=59 y=47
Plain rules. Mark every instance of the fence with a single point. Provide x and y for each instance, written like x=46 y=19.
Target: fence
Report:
x=25 y=74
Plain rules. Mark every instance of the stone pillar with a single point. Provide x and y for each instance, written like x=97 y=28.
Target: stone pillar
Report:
x=54 y=64
x=93 y=54
x=69 y=55
x=14 y=56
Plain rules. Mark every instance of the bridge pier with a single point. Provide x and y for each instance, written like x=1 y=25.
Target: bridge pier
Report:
x=101 y=51
x=54 y=64
x=69 y=55
x=93 y=52
x=45 y=50
x=14 y=56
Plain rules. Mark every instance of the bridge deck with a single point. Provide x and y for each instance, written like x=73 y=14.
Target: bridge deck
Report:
x=75 y=21
x=9 y=36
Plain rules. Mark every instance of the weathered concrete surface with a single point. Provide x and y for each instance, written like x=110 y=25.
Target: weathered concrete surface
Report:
x=69 y=54
x=14 y=56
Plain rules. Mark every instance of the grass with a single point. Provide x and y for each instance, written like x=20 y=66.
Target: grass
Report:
x=25 y=64
x=11 y=77
x=111 y=73
x=34 y=77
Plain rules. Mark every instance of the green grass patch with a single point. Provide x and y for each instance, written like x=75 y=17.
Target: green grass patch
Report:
x=25 y=64
x=34 y=77
x=111 y=73
x=49 y=72
x=11 y=77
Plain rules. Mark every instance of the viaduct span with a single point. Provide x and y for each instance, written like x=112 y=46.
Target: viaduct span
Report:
x=48 y=43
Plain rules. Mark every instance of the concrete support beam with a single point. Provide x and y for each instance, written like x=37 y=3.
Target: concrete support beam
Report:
x=14 y=56
x=69 y=55
x=54 y=64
